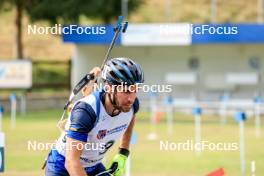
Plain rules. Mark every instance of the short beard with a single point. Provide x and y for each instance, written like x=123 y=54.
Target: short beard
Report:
x=125 y=110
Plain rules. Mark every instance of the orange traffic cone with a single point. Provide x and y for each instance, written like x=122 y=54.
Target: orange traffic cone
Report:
x=157 y=117
x=218 y=172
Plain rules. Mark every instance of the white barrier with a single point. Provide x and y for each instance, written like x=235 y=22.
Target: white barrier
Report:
x=240 y=117
x=197 y=132
x=154 y=108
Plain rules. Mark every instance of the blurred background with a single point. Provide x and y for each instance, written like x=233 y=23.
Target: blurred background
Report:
x=209 y=52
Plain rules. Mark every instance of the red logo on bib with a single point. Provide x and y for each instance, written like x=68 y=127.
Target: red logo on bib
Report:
x=101 y=134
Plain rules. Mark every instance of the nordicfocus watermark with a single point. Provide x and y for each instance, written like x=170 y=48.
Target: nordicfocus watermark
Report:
x=59 y=29
x=205 y=29
x=190 y=145
x=46 y=146
x=123 y=87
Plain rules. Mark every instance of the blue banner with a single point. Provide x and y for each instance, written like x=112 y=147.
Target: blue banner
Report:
x=227 y=33
x=200 y=34
x=97 y=35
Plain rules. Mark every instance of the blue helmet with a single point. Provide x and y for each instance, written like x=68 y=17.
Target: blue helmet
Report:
x=122 y=71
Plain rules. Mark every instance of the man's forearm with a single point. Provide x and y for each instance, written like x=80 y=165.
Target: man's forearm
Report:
x=120 y=158
x=72 y=159
x=125 y=141
x=75 y=168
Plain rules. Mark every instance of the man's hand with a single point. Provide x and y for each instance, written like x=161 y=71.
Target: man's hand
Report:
x=121 y=163
x=96 y=71
x=120 y=160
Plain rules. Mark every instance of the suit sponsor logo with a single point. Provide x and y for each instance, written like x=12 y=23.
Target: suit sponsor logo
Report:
x=102 y=133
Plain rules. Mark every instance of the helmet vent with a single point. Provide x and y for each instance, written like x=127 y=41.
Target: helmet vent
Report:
x=131 y=63
x=114 y=75
x=137 y=73
x=124 y=74
x=114 y=63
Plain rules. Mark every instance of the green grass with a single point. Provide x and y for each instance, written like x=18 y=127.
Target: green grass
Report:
x=147 y=158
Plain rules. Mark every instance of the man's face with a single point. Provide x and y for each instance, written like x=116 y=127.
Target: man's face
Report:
x=125 y=97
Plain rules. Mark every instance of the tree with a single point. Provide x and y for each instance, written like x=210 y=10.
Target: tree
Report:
x=63 y=12
x=69 y=11
x=19 y=5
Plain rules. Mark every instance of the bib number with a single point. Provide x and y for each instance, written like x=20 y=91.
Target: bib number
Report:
x=107 y=146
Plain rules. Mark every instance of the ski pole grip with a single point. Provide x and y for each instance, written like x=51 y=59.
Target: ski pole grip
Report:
x=85 y=80
x=66 y=105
